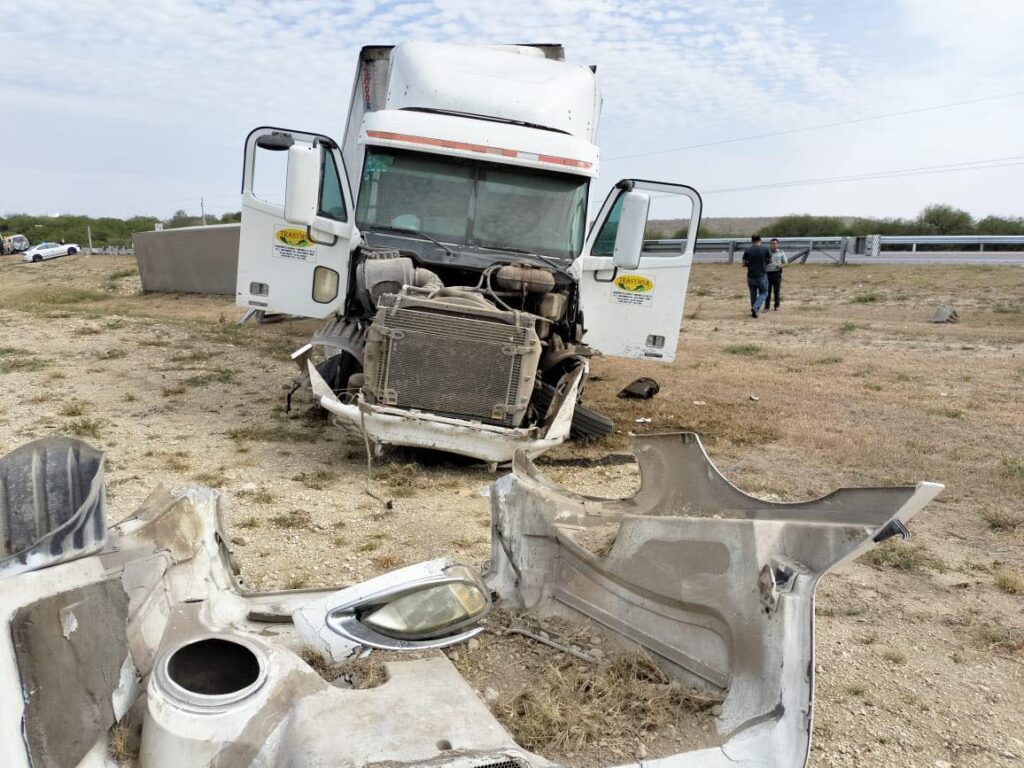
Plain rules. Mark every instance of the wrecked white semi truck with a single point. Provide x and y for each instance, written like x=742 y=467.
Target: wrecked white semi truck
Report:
x=445 y=242
x=140 y=645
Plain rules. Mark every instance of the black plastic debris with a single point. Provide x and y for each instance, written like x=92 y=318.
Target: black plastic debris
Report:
x=51 y=504
x=642 y=389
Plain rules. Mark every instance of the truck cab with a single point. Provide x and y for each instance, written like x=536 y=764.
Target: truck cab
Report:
x=446 y=245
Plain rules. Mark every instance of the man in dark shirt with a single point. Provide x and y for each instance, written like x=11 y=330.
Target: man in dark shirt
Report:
x=755 y=259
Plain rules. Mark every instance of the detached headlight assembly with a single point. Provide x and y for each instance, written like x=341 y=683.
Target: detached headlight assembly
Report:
x=434 y=611
x=428 y=605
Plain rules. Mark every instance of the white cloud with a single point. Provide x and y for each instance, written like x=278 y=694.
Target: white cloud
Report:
x=124 y=108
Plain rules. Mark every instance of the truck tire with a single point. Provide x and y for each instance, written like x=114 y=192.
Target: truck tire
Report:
x=587 y=424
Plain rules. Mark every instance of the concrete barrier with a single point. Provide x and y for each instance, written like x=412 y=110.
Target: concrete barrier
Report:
x=189 y=260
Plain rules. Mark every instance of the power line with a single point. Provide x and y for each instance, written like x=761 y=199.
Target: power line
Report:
x=788 y=131
x=970 y=165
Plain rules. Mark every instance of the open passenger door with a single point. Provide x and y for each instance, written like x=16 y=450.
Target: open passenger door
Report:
x=632 y=297
x=297 y=224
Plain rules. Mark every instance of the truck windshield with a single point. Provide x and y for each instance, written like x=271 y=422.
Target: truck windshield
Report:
x=471 y=202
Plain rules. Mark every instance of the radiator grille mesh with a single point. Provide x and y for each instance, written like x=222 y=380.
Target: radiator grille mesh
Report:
x=471 y=363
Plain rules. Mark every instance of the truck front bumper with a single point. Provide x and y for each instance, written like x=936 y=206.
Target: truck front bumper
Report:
x=383 y=425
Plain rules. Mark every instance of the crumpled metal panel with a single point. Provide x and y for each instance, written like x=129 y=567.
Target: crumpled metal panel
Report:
x=716 y=585
x=52 y=504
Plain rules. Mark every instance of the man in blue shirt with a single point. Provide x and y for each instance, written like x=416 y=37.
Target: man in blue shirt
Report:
x=756 y=259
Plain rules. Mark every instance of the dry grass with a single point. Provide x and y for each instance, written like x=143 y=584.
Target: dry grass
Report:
x=123 y=744
x=366 y=673
x=1010 y=582
x=745 y=350
x=1002 y=638
x=259 y=496
x=14 y=360
x=894 y=656
x=902 y=557
x=387 y=561
x=86 y=427
x=402 y=480
x=74 y=408
x=215 y=478
x=177 y=461
x=324 y=666
x=317 y=480
x=1012 y=466
x=274 y=433
x=573 y=707
x=1000 y=519
x=296 y=518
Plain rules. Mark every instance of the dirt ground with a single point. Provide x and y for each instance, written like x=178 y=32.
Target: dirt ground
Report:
x=920 y=646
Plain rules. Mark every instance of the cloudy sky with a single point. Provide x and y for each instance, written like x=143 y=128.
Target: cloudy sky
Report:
x=113 y=108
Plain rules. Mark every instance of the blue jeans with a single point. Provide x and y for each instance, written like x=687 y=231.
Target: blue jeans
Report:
x=758 y=291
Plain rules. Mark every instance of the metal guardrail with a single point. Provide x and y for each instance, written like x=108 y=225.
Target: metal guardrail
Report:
x=953 y=240
x=796 y=247
x=107 y=250
x=838 y=247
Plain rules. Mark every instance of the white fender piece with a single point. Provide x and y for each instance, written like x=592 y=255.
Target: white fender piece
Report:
x=716 y=585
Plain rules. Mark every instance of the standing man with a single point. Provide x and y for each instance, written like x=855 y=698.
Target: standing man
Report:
x=755 y=259
x=776 y=261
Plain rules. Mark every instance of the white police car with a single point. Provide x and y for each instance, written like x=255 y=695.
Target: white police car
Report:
x=49 y=251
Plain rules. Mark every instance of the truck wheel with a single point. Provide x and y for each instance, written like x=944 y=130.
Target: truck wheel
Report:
x=587 y=424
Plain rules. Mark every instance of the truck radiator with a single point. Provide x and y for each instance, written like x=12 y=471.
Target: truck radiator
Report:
x=454 y=358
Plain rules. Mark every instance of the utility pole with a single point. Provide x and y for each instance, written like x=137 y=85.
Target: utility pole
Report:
x=88 y=230
x=202 y=208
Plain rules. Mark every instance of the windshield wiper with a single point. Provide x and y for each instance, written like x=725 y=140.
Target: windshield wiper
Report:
x=553 y=263
x=416 y=233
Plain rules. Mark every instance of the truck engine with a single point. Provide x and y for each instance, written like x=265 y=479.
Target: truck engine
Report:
x=491 y=346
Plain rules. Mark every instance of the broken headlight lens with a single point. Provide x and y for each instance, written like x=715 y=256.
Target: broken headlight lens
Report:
x=433 y=611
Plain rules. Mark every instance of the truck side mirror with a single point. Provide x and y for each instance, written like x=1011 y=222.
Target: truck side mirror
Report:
x=302 y=187
x=629 y=240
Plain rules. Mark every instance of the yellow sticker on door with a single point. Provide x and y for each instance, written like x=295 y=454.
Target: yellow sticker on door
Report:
x=293 y=243
x=632 y=290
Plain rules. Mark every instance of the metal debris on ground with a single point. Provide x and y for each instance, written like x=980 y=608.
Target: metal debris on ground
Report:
x=682 y=628
x=944 y=313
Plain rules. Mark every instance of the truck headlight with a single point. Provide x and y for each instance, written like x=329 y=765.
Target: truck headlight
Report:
x=325 y=285
x=427 y=605
x=433 y=611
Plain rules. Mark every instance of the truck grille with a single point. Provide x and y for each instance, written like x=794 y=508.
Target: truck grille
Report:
x=452 y=359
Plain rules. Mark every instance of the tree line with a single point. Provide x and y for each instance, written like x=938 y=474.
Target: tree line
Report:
x=934 y=220
x=106 y=231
